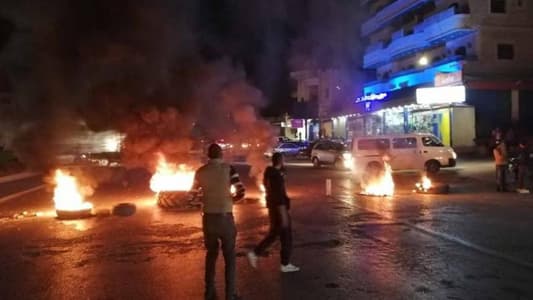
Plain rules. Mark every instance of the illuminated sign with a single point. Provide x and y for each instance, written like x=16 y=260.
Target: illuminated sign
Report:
x=371 y=97
x=441 y=95
x=444 y=79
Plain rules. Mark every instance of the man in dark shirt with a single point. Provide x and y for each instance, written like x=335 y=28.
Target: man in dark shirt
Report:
x=278 y=204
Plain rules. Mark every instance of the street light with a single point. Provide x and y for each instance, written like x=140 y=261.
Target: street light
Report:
x=423 y=61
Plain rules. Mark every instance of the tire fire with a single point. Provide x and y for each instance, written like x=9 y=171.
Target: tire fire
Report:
x=424 y=185
x=68 y=197
x=172 y=183
x=171 y=177
x=378 y=182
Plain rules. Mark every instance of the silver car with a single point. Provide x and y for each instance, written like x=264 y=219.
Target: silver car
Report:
x=331 y=153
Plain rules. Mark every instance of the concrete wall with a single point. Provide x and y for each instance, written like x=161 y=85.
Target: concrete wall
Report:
x=463 y=126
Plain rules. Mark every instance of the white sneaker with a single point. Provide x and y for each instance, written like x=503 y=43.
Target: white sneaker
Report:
x=252 y=259
x=523 y=191
x=289 y=268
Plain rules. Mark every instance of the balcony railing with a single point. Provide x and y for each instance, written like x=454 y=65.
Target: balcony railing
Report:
x=388 y=13
x=435 y=29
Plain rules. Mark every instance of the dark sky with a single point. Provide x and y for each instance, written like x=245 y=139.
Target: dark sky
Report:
x=267 y=39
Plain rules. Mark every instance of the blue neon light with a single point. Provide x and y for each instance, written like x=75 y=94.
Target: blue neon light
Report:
x=413 y=78
x=371 y=97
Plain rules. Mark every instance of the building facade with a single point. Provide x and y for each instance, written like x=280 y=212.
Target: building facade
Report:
x=471 y=61
x=322 y=95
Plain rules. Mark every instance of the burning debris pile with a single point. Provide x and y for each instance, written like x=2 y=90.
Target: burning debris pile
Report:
x=377 y=180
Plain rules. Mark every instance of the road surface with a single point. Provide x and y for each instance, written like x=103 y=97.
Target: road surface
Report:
x=471 y=244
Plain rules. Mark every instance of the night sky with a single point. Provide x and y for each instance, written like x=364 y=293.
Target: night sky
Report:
x=267 y=39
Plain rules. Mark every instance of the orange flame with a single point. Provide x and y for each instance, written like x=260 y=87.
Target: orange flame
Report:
x=262 y=198
x=68 y=196
x=171 y=177
x=424 y=185
x=381 y=185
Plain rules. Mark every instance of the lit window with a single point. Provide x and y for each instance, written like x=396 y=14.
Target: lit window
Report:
x=505 y=51
x=498 y=6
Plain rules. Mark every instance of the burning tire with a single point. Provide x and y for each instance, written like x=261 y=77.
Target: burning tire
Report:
x=175 y=200
x=73 y=214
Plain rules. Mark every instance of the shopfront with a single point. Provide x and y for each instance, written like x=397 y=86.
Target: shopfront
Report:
x=440 y=111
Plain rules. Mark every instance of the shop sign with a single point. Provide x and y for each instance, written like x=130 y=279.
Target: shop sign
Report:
x=447 y=79
x=297 y=123
x=441 y=95
x=371 y=97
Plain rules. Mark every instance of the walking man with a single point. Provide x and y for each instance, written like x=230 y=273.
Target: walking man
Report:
x=278 y=204
x=523 y=166
x=213 y=181
x=500 y=160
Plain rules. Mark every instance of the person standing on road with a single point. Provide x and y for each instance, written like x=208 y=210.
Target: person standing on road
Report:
x=278 y=204
x=214 y=181
x=523 y=165
x=500 y=160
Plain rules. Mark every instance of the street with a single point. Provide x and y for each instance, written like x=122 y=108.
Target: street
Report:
x=473 y=243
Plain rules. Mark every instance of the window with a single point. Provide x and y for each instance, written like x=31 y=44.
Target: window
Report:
x=373 y=144
x=431 y=141
x=288 y=146
x=498 y=6
x=404 y=143
x=505 y=51
x=321 y=147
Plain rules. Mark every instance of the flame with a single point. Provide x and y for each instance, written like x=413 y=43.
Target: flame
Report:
x=381 y=185
x=424 y=185
x=67 y=193
x=262 y=198
x=171 y=177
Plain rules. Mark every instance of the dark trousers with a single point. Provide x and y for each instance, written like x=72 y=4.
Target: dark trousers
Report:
x=522 y=173
x=501 y=171
x=276 y=229
x=219 y=231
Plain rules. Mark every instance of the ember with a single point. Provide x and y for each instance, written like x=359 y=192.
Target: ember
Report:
x=378 y=181
x=69 y=197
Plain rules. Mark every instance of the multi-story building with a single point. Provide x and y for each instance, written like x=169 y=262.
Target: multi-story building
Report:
x=457 y=68
x=322 y=95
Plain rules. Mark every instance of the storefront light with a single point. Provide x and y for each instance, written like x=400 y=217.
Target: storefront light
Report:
x=441 y=95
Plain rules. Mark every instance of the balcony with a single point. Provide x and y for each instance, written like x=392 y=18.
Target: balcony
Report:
x=389 y=13
x=438 y=28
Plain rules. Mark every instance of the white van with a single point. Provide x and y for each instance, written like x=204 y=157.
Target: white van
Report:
x=416 y=151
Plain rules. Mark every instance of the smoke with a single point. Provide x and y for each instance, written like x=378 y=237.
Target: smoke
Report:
x=159 y=72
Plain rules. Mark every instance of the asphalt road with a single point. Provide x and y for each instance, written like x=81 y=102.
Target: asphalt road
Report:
x=470 y=244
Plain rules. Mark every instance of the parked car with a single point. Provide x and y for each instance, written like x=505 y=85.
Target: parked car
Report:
x=331 y=153
x=287 y=149
x=415 y=151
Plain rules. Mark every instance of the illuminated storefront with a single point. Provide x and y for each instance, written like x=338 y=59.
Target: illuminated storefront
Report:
x=437 y=110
